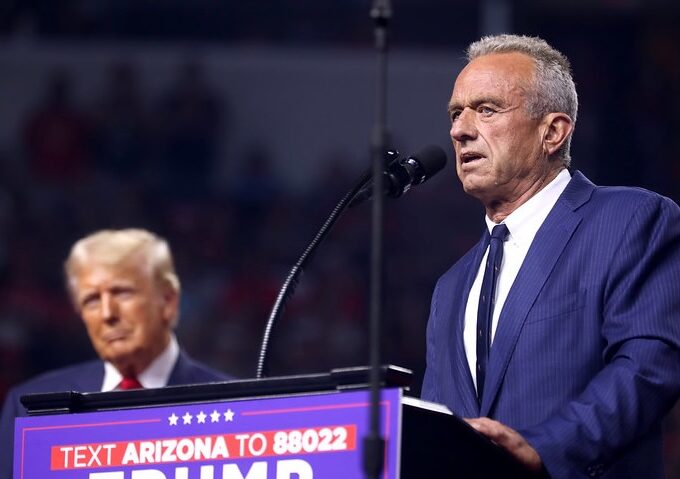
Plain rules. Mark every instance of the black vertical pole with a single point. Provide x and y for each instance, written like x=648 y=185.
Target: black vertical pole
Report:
x=374 y=443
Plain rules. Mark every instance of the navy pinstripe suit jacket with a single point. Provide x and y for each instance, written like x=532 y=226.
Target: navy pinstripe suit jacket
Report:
x=586 y=358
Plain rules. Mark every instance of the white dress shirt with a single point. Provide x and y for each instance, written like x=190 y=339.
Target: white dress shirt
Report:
x=155 y=376
x=523 y=223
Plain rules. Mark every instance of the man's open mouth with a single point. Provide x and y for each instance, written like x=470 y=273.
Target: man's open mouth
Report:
x=469 y=157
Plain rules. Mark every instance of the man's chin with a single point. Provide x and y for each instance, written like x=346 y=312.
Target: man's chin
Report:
x=120 y=354
x=476 y=189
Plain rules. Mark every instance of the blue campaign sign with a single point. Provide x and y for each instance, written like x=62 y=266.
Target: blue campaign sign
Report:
x=298 y=437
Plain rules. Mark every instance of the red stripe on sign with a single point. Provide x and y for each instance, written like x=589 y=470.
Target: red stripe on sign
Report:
x=301 y=441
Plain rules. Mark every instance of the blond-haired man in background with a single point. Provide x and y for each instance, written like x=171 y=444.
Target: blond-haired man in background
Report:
x=124 y=286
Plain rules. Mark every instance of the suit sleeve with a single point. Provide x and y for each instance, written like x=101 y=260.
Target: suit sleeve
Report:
x=641 y=327
x=429 y=389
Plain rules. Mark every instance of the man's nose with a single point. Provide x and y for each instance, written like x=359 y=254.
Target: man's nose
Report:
x=463 y=127
x=109 y=307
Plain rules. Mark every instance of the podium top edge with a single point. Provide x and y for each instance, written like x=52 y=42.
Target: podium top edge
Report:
x=334 y=380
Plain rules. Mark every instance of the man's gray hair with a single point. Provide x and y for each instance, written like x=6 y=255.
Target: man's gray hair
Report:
x=553 y=88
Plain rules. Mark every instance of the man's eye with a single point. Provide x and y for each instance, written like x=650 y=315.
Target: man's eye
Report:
x=90 y=301
x=124 y=293
x=454 y=115
x=485 y=110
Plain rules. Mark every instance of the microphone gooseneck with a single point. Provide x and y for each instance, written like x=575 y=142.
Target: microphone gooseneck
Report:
x=432 y=160
x=288 y=288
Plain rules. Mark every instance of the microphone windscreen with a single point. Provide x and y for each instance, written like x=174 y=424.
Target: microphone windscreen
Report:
x=431 y=158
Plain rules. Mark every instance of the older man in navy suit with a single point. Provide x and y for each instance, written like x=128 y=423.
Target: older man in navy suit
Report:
x=558 y=334
x=124 y=286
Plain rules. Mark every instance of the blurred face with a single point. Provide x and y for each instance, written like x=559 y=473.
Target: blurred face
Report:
x=127 y=315
x=499 y=148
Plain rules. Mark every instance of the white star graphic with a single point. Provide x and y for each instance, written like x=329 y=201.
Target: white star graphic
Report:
x=173 y=419
x=229 y=415
x=215 y=416
x=201 y=417
x=187 y=418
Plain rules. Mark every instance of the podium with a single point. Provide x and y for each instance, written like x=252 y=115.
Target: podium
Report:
x=293 y=427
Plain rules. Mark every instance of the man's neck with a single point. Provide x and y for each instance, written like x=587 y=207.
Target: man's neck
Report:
x=497 y=211
x=155 y=374
x=134 y=366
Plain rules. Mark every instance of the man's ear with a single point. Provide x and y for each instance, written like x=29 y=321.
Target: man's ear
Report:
x=170 y=306
x=558 y=128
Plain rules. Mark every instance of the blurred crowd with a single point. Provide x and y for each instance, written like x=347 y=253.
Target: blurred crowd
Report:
x=126 y=158
x=127 y=161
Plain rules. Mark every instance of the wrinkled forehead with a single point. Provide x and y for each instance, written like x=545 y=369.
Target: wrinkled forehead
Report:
x=497 y=74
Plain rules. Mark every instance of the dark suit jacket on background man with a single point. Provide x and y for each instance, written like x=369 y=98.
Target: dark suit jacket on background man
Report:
x=88 y=377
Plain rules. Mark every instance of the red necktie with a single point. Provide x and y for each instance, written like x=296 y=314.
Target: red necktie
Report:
x=130 y=383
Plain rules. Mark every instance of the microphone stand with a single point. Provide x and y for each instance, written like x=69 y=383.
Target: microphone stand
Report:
x=374 y=443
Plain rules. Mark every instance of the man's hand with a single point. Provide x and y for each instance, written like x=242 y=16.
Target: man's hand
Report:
x=509 y=439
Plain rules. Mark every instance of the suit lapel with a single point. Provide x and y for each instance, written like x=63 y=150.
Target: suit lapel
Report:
x=460 y=368
x=546 y=248
x=180 y=373
x=89 y=378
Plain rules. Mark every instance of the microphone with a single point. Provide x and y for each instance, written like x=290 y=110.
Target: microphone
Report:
x=404 y=173
x=401 y=175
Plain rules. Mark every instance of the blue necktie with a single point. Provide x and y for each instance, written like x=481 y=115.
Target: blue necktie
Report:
x=486 y=302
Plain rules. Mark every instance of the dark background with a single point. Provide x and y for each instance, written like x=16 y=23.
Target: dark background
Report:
x=174 y=116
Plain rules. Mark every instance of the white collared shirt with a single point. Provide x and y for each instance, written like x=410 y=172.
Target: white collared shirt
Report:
x=155 y=376
x=523 y=224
